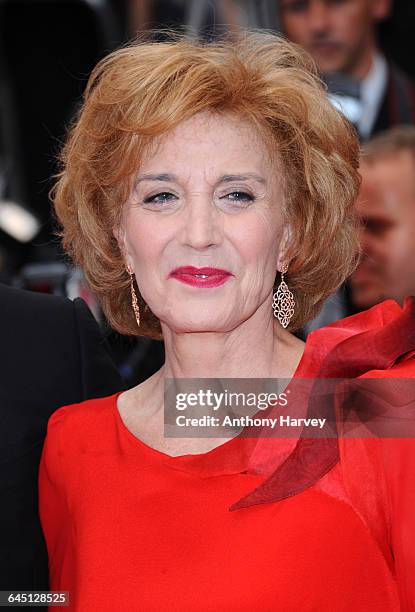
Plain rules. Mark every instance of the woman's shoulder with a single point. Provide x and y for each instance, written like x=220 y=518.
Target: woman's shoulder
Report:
x=379 y=339
x=86 y=418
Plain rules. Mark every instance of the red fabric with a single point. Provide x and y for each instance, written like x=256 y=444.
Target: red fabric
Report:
x=130 y=528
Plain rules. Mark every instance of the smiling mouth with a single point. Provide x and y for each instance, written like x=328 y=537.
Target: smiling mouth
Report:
x=201 y=277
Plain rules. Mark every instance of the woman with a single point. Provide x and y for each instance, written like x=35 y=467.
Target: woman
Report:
x=196 y=176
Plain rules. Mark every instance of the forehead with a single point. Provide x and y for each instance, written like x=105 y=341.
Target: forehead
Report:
x=299 y=6
x=388 y=183
x=210 y=139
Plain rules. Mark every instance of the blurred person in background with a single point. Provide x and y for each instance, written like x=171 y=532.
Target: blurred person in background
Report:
x=206 y=16
x=341 y=37
x=52 y=354
x=386 y=205
x=145 y=14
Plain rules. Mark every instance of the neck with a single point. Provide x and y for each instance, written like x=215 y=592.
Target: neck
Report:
x=362 y=64
x=257 y=348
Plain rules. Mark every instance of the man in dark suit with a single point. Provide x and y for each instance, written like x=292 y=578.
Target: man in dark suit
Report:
x=341 y=37
x=372 y=92
x=52 y=354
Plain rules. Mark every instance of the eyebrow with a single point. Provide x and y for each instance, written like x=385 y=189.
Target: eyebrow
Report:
x=225 y=178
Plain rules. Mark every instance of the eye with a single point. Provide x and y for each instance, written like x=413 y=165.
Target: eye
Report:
x=164 y=195
x=294 y=6
x=377 y=227
x=242 y=196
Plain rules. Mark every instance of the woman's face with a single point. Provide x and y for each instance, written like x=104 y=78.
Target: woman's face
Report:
x=203 y=225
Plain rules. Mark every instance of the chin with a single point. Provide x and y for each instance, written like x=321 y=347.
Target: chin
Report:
x=328 y=65
x=198 y=325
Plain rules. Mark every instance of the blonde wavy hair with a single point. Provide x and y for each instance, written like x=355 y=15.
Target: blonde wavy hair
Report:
x=146 y=89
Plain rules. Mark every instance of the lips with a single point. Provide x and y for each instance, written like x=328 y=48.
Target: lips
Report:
x=201 y=277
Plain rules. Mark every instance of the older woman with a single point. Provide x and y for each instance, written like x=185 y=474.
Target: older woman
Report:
x=194 y=178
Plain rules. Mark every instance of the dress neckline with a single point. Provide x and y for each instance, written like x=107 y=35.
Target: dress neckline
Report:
x=230 y=457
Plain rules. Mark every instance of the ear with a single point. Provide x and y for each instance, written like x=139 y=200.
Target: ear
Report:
x=284 y=244
x=381 y=9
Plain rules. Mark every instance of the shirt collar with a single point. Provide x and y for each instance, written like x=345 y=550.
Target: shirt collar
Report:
x=372 y=89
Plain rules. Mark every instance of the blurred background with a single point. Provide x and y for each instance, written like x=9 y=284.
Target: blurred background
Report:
x=365 y=53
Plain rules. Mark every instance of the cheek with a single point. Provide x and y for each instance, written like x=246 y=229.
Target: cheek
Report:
x=143 y=242
x=256 y=239
x=401 y=246
x=296 y=29
x=353 y=22
x=395 y=239
x=391 y=251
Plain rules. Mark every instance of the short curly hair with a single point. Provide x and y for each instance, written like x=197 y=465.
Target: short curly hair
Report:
x=147 y=88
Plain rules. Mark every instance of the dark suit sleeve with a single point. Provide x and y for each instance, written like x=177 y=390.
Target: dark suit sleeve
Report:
x=53 y=505
x=98 y=374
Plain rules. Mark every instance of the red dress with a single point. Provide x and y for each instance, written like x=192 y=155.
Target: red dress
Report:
x=254 y=524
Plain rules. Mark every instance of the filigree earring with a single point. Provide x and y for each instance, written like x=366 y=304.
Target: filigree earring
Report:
x=283 y=302
x=134 y=300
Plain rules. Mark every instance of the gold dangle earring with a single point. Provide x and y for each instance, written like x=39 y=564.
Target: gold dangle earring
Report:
x=283 y=302
x=134 y=300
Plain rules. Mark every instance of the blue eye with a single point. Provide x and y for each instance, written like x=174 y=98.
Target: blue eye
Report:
x=165 y=197
x=152 y=199
x=246 y=197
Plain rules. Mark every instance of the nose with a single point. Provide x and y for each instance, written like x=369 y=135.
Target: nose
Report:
x=367 y=245
x=318 y=16
x=202 y=226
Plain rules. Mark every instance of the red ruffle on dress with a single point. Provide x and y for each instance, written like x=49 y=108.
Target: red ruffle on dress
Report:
x=255 y=524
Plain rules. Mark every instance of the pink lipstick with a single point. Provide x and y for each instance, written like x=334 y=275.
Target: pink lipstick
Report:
x=200 y=277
